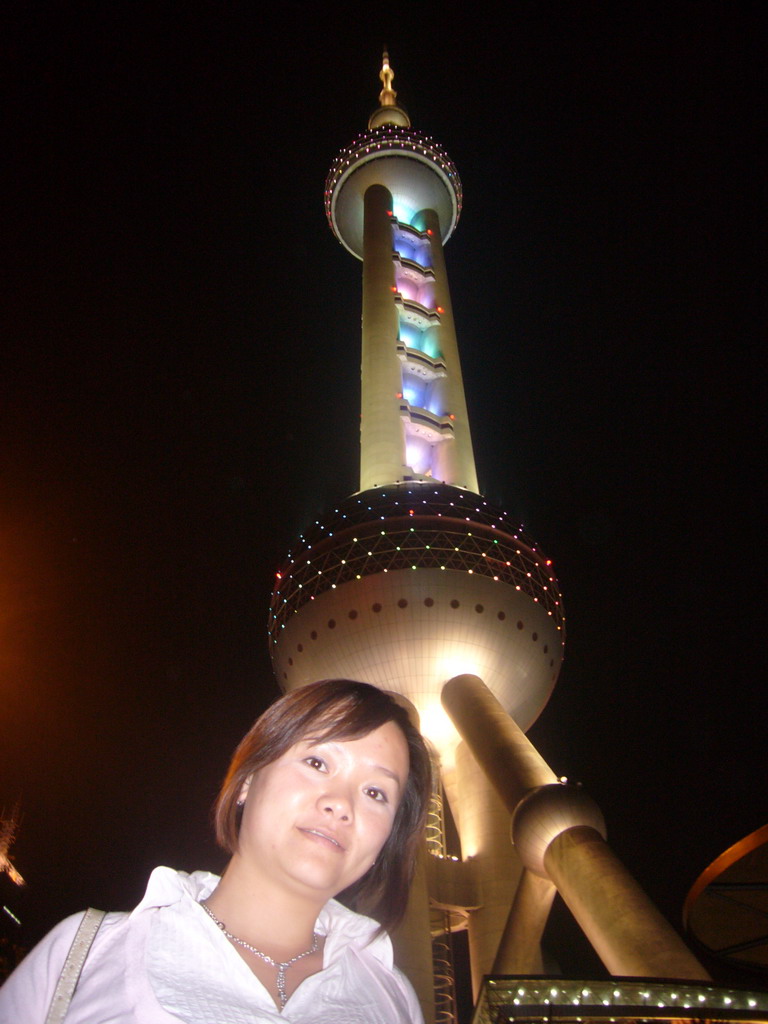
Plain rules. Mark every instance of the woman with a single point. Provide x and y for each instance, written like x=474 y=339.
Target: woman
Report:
x=325 y=796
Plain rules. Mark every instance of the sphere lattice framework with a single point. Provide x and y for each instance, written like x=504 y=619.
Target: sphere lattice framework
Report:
x=411 y=165
x=407 y=585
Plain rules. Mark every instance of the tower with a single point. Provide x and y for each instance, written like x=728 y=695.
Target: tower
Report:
x=416 y=578
x=418 y=585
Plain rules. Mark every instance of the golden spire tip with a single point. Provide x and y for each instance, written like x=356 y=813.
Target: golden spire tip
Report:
x=387 y=96
x=388 y=112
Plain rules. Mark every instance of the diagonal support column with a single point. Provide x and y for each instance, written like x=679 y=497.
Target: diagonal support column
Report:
x=557 y=832
x=520 y=947
x=627 y=931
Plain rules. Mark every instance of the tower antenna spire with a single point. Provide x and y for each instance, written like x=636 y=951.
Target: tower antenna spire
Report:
x=388 y=112
x=387 y=96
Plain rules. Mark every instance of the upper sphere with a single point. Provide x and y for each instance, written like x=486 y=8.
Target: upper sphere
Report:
x=417 y=171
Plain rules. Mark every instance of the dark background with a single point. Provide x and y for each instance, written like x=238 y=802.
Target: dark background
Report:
x=180 y=396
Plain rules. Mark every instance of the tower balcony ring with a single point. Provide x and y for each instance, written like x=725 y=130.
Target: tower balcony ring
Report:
x=391 y=149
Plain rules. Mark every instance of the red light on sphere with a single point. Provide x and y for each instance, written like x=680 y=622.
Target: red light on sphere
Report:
x=399 y=394
x=389 y=213
x=440 y=309
x=451 y=416
x=548 y=562
x=279 y=575
x=394 y=288
x=429 y=231
x=411 y=512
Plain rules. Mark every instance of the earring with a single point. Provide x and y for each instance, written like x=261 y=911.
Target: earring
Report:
x=244 y=791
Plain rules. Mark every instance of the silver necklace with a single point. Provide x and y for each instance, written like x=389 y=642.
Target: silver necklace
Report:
x=281 y=968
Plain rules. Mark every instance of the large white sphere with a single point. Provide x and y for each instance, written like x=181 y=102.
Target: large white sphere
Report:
x=407 y=586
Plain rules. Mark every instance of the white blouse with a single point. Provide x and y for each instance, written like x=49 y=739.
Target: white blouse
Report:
x=167 y=961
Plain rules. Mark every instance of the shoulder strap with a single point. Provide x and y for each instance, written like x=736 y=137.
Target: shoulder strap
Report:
x=73 y=965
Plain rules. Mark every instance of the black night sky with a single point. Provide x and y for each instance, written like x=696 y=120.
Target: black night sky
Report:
x=179 y=396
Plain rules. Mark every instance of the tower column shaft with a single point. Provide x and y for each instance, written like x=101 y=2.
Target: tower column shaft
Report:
x=413 y=943
x=456 y=461
x=519 y=951
x=626 y=930
x=382 y=446
x=505 y=761
x=483 y=826
x=501 y=748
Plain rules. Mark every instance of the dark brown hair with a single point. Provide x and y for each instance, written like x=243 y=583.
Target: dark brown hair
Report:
x=339 y=709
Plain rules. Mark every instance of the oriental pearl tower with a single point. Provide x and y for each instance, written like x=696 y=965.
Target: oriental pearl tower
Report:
x=418 y=585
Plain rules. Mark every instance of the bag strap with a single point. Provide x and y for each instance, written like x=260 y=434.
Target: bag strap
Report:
x=73 y=965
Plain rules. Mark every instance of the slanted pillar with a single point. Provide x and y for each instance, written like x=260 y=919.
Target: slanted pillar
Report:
x=558 y=832
x=519 y=951
x=626 y=930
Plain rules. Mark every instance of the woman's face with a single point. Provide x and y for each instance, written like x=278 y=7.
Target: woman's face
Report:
x=315 y=819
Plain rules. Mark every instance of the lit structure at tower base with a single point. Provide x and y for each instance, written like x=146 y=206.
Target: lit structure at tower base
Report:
x=620 y=1001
